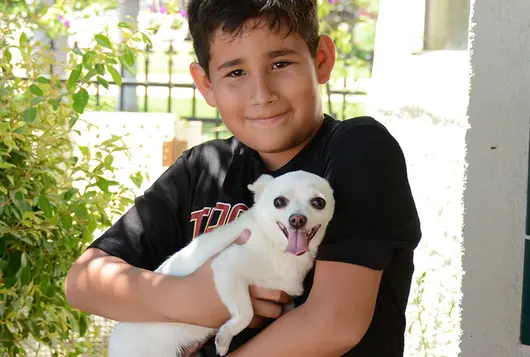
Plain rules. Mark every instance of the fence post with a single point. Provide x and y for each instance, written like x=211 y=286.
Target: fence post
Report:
x=146 y=83
x=170 y=73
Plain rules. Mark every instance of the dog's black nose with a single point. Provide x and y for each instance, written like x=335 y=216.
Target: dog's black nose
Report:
x=297 y=220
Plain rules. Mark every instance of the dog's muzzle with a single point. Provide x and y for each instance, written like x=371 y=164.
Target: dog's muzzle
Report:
x=298 y=239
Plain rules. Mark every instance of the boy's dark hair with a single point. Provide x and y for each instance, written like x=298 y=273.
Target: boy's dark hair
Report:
x=206 y=16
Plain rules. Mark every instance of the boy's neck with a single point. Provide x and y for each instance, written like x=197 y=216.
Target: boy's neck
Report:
x=275 y=161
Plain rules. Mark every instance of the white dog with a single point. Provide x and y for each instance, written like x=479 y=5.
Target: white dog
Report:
x=287 y=224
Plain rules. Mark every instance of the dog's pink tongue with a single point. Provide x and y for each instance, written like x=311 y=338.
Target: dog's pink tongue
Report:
x=296 y=242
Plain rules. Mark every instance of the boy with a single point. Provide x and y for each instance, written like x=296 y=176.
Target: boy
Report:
x=260 y=62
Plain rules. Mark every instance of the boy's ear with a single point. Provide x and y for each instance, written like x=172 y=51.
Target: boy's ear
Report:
x=258 y=185
x=202 y=83
x=325 y=58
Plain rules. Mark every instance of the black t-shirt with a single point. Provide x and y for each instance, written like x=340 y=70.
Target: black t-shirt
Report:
x=375 y=225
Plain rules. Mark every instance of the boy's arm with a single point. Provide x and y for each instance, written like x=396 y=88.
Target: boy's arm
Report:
x=332 y=321
x=107 y=286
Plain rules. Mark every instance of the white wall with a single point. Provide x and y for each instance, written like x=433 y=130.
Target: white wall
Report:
x=499 y=108
x=422 y=98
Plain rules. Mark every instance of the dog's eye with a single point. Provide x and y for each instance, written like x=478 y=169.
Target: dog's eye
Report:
x=280 y=202
x=318 y=202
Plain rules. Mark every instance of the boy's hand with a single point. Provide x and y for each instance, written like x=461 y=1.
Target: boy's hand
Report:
x=267 y=303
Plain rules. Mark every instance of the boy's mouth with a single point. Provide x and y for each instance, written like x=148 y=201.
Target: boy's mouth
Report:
x=297 y=239
x=268 y=118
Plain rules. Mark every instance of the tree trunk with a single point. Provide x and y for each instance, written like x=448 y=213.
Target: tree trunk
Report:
x=129 y=101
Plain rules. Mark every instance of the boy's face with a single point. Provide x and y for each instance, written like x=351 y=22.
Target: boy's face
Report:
x=266 y=87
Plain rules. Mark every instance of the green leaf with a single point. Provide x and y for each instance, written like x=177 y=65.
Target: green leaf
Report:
x=72 y=122
x=19 y=196
x=108 y=161
x=35 y=89
x=100 y=69
x=126 y=25
x=72 y=322
x=7 y=55
x=137 y=179
x=89 y=75
x=55 y=103
x=47 y=181
x=80 y=100
x=11 y=327
x=45 y=205
x=74 y=77
x=113 y=139
x=146 y=39
x=37 y=100
x=2 y=305
x=25 y=275
x=115 y=75
x=84 y=150
x=83 y=324
x=30 y=115
x=70 y=193
x=103 y=82
x=87 y=59
x=23 y=40
x=77 y=51
x=67 y=222
x=43 y=80
x=103 y=41
x=6 y=165
x=81 y=212
x=125 y=63
x=13 y=264
x=130 y=57
x=23 y=260
x=103 y=184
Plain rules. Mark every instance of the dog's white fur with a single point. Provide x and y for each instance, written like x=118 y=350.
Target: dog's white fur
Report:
x=261 y=261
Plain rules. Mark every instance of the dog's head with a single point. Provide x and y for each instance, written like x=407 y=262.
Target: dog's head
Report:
x=297 y=206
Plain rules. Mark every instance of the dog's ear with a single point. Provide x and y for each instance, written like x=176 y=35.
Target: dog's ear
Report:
x=259 y=184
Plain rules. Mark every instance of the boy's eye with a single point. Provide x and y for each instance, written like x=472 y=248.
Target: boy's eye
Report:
x=236 y=73
x=281 y=64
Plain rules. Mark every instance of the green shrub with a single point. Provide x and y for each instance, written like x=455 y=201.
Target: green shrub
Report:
x=53 y=194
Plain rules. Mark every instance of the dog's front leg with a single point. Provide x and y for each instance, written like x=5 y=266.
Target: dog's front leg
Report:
x=236 y=296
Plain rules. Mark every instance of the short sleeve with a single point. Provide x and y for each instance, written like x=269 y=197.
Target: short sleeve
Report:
x=375 y=213
x=154 y=227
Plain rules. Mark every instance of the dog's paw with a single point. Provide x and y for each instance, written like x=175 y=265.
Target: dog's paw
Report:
x=222 y=341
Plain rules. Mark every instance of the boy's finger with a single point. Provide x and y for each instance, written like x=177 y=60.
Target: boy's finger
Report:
x=256 y=322
x=243 y=237
x=270 y=294
x=240 y=240
x=267 y=309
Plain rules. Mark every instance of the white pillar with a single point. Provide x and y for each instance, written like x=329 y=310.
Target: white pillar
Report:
x=495 y=194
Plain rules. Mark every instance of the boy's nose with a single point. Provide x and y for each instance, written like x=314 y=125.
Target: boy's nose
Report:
x=297 y=220
x=263 y=92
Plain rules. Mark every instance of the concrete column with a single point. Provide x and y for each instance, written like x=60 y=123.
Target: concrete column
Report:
x=494 y=197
